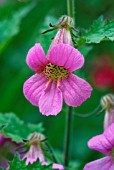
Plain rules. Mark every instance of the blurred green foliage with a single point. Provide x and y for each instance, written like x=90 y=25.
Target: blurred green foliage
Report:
x=16 y=129
x=21 y=24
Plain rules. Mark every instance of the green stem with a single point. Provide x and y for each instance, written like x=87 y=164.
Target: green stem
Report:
x=70 y=8
x=67 y=136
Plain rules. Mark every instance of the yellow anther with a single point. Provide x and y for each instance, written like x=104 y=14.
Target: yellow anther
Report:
x=55 y=72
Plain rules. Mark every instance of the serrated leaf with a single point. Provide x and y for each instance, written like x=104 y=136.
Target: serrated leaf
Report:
x=16 y=128
x=16 y=164
x=9 y=28
x=99 y=31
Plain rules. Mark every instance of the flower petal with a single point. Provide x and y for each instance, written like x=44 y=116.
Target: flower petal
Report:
x=51 y=100
x=2 y=140
x=4 y=163
x=100 y=143
x=112 y=167
x=102 y=164
x=36 y=58
x=109 y=134
x=33 y=88
x=75 y=90
x=57 y=166
x=67 y=56
x=45 y=163
x=33 y=154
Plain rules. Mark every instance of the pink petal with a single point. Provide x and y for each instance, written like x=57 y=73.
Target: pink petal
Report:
x=67 y=56
x=109 y=117
x=100 y=164
x=36 y=58
x=41 y=155
x=51 y=100
x=112 y=167
x=58 y=166
x=33 y=154
x=109 y=134
x=101 y=144
x=75 y=90
x=4 y=163
x=34 y=87
x=45 y=163
x=2 y=140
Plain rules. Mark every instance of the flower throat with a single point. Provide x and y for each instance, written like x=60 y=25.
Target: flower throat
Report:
x=55 y=72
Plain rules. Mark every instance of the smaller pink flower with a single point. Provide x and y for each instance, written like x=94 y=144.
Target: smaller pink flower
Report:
x=54 y=80
x=33 y=154
x=7 y=147
x=54 y=166
x=35 y=151
x=58 y=166
x=107 y=103
x=103 y=143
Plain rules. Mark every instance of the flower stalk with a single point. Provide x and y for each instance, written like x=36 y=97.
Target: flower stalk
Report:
x=70 y=8
x=70 y=11
x=67 y=136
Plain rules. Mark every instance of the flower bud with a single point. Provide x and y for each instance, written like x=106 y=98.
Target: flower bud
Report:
x=63 y=35
x=65 y=26
x=107 y=103
x=7 y=150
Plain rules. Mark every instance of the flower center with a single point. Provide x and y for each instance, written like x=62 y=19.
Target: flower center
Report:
x=55 y=72
x=112 y=153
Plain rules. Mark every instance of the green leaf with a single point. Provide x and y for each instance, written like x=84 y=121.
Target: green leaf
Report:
x=10 y=27
x=16 y=164
x=16 y=128
x=99 y=31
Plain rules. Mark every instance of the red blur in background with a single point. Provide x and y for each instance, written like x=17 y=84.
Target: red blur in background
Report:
x=103 y=74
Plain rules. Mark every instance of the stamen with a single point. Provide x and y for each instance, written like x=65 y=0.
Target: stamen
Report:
x=112 y=153
x=53 y=71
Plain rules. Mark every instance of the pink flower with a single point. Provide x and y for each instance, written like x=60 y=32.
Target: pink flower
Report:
x=58 y=166
x=7 y=147
x=54 y=80
x=54 y=166
x=107 y=103
x=35 y=151
x=103 y=143
x=33 y=154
